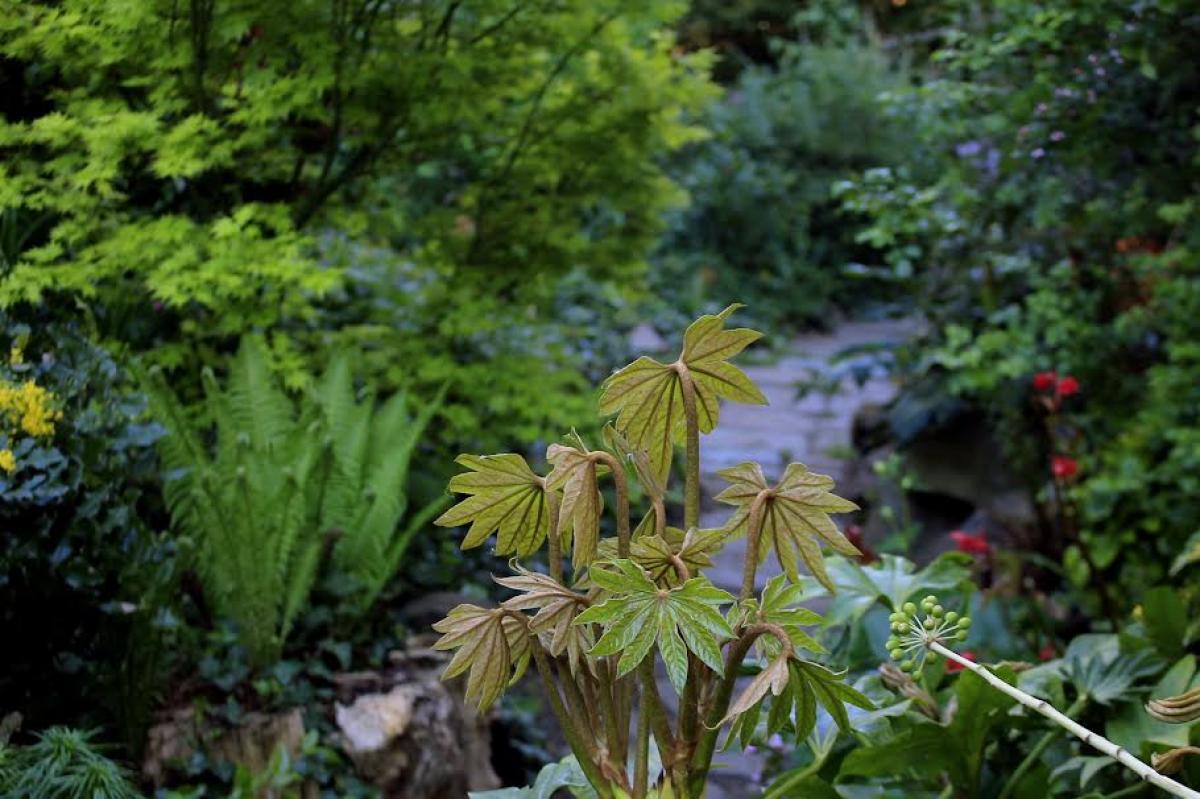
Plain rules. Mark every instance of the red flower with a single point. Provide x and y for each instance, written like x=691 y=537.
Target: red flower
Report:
x=971 y=543
x=1067 y=386
x=1064 y=468
x=953 y=666
x=854 y=534
x=1044 y=381
x=1047 y=652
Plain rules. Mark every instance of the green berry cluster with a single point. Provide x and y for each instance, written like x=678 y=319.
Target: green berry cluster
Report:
x=914 y=629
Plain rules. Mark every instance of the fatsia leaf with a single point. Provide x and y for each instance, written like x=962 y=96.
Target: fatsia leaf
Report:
x=506 y=498
x=575 y=473
x=493 y=644
x=795 y=516
x=660 y=554
x=647 y=396
x=556 y=606
x=639 y=615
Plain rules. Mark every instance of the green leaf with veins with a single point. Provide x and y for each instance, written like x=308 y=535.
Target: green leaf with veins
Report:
x=506 y=498
x=657 y=554
x=556 y=606
x=647 y=396
x=639 y=615
x=492 y=643
x=779 y=606
x=576 y=473
x=894 y=580
x=795 y=516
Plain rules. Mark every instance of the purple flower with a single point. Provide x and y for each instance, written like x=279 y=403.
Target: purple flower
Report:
x=1038 y=153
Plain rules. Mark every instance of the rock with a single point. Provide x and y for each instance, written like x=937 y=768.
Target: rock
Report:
x=179 y=735
x=410 y=734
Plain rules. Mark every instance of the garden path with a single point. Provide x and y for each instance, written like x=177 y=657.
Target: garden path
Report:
x=811 y=431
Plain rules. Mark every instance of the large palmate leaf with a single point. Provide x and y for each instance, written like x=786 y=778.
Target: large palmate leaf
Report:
x=556 y=606
x=639 y=614
x=795 y=516
x=506 y=497
x=493 y=644
x=575 y=472
x=893 y=580
x=647 y=395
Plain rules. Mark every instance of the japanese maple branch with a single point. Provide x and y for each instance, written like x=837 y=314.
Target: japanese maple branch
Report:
x=1090 y=738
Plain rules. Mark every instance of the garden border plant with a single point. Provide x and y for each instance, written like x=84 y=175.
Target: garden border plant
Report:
x=917 y=638
x=592 y=637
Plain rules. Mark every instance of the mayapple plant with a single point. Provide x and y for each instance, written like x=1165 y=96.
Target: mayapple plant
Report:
x=921 y=634
x=640 y=596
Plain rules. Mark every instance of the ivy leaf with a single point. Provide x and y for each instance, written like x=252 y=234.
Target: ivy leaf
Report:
x=493 y=644
x=795 y=516
x=647 y=395
x=658 y=554
x=640 y=615
x=556 y=606
x=506 y=498
x=576 y=474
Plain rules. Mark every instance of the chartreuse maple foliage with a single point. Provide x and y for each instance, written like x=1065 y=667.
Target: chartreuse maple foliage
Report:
x=594 y=636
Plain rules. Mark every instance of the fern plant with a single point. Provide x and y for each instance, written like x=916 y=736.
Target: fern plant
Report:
x=640 y=596
x=282 y=484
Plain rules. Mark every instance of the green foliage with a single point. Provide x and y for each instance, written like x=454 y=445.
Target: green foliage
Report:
x=283 y=484
x=62 y=763
x=81 y=514
x=762 y=224
x=642 y=591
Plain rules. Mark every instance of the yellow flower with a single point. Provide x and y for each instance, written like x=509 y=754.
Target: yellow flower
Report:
x=16 y=356
x=8 y=462
x=28 y=408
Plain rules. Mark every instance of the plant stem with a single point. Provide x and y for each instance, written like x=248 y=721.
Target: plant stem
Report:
x=608 y=704
x=656 y=713
x=641 y=752
x=1090 y=738
x=703 y=754
x=691 y=490
x=750 y=565
x=582 y=753
x=621 y=482
x=555 y=554
x=1035 y=754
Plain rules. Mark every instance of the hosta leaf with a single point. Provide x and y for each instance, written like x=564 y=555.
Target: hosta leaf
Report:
x=657 y=554
x=795 y=516
x=556 y=606
x=638 y=615
x=647 y=396
x=506 y=498
x=492 y=643
x=575 y=473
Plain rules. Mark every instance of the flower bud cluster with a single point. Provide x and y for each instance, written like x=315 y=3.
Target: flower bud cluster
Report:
x=914 y=629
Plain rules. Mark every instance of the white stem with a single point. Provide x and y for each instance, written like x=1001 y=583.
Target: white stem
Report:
x=1078 y=730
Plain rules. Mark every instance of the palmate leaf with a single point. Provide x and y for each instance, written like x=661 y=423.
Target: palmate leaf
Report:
x=576 y=473
x=779 y=606
x=492 y=643
x=795 y=518
x=657 y=554
x=647 y=396
x=556 y=606
x=798 y=686
x=506 y=497
x=640 y=615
